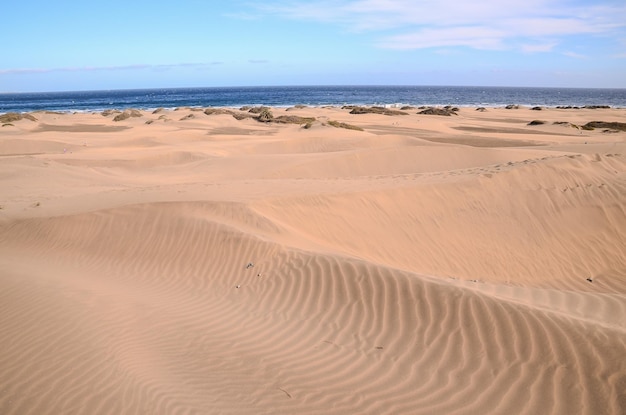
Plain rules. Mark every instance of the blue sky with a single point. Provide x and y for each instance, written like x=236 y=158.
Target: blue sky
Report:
x=80 y=45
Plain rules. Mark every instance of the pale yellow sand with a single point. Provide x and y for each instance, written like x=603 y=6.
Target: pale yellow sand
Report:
x=426 y=265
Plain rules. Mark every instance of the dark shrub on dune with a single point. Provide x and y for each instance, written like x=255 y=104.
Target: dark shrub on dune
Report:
x=258 y=110
x=106 y=113
x=265 y=115
x=293 y=119
x=536 y=122
x=241 y=116
x=354 y=109
x=587 y=107
x=218 y=111
x=15 y=116
x=338 y=124
x=620 y=126
x=131 y=113
x=446 y=112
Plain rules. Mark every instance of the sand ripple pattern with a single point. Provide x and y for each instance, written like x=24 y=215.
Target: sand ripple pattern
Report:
x=195 y=308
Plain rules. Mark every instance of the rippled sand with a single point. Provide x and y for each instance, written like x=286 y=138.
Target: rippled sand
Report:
x=200 y=264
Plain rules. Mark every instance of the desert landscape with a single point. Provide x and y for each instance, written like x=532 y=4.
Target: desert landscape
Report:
x=313 y=260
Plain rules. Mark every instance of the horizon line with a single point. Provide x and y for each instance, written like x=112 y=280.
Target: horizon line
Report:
x=308 y=86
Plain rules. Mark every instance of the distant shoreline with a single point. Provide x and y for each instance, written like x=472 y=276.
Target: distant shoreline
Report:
x=283 y=97
x=287 y=107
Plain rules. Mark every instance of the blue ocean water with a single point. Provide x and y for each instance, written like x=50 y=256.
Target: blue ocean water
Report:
x=310 y=95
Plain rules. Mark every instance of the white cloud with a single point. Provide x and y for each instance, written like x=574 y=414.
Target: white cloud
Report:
x=490 y=24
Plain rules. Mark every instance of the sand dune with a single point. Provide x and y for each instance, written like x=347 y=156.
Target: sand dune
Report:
x=210 y=265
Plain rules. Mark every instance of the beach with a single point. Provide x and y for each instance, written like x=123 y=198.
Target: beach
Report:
x=313 y=260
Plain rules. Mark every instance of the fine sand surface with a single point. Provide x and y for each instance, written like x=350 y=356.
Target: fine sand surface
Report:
x=184 y=263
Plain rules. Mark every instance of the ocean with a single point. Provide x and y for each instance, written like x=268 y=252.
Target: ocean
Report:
x=284 y=96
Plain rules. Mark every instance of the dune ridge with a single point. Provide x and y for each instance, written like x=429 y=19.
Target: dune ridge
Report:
x=315 y=271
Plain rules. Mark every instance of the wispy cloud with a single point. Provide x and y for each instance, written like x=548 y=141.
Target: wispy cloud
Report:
x=575 y=55
x=538 y=47
x=159 y=67
x=490 y=24
x=476 y=37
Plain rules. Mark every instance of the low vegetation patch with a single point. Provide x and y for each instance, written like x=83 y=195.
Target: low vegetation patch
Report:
x=536 y=122
x=218 y=111
x=293 y=119
x=242 y=116
x=373 y=110
x=258 y=110
x=445 y=111
x=338 y=124
x=132 y=113
x=619 y=126
x=265 y=115
x=15 y=116
x=236 y=114
x=589 y=107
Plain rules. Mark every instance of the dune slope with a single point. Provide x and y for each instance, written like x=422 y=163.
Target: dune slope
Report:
x=216 y=266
